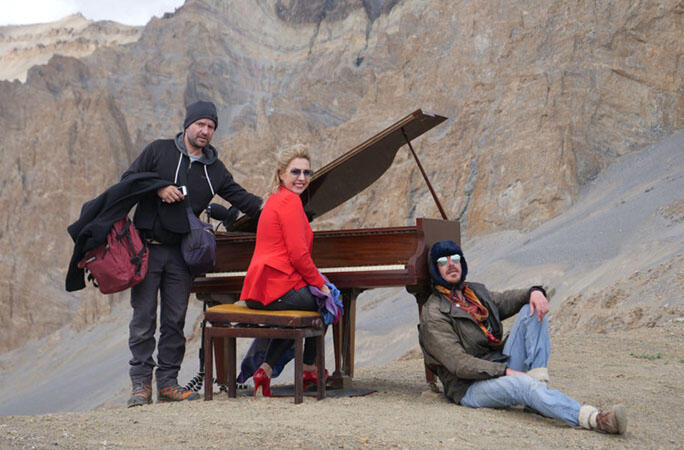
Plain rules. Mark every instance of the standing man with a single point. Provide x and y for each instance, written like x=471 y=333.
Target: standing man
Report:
x=192 y=164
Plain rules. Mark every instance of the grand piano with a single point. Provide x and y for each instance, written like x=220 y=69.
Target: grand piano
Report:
x=352 y=259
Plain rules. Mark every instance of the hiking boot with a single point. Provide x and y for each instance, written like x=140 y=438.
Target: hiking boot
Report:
x=141 y=395
x=176 y=393
x=613 y=421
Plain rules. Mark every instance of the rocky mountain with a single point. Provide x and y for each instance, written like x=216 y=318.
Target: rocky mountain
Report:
x=25 y=46
x=541 y=96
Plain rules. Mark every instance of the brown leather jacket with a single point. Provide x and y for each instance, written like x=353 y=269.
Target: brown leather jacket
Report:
x=454 y=346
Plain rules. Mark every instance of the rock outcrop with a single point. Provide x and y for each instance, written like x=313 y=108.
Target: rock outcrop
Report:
x=540 y=97
x=24 y=46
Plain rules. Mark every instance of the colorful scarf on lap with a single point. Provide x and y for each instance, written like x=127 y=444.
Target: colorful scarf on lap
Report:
x=473 y=307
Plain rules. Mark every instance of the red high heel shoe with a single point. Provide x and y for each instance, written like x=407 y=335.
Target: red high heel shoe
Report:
x=311 y=377
x=261 y=379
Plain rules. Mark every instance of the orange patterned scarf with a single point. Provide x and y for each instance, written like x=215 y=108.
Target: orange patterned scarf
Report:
x=473 y=307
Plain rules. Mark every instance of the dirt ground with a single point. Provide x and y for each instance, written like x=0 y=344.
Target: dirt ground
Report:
x=640 y=368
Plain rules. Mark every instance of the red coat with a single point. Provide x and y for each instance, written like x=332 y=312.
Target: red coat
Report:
x=282 y=256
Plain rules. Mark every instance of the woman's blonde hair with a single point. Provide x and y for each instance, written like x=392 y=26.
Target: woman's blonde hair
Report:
x=285 y=156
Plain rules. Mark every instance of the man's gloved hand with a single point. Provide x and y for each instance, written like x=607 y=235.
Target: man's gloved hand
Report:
x=231 y=217
x=246 y=223
x=225 y=215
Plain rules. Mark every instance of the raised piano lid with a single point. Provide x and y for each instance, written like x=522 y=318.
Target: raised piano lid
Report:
x=360 y=167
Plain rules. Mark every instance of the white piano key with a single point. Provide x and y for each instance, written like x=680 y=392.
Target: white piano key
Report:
x=322 y=269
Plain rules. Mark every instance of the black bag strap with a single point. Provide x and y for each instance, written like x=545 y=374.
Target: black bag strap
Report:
x=126 y=230
x=137 y=258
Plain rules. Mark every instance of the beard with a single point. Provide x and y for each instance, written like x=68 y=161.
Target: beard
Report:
x=195 y=141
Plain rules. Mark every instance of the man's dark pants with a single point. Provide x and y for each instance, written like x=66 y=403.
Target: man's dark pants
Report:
x=168 y=275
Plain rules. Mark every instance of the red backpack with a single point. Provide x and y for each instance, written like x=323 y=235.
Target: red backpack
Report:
x=119 y=263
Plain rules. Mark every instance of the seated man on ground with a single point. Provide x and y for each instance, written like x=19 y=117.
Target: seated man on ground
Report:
x=461 y=336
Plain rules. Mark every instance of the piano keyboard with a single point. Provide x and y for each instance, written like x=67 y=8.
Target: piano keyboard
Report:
x=322 y=269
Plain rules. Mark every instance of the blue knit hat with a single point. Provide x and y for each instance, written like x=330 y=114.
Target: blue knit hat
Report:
x=200 y=110
x=445 y=248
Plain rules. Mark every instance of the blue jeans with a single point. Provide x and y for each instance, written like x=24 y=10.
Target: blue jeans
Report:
x=528 y=347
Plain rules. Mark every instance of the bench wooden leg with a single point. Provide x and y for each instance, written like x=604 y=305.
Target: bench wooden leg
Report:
x=208 y=364
x=320 y=366
x=231 y=360
x=299 y=369
x=220 y=359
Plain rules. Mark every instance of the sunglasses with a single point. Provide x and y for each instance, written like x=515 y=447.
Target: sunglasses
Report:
x=297 y=172
x=445 y=259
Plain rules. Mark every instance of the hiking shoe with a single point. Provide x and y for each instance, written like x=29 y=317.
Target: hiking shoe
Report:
x=613 y=421
x=176 y=393
x=141 y=395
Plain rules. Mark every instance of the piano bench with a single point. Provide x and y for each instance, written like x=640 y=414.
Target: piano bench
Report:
x=232 y=321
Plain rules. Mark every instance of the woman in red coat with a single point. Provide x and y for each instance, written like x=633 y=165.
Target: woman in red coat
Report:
x=281 y=269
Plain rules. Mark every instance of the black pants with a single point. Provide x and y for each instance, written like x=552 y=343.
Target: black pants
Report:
x=301 y=299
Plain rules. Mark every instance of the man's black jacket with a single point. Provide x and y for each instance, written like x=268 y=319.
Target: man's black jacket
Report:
x=98 y=216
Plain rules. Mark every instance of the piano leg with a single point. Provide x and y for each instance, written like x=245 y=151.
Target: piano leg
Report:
x=430 y=378
x=335 y=380
x=344 y=333
x=350 y=341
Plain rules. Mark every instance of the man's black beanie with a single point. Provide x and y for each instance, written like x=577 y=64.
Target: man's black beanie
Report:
x=200 y=110
x=446 y=248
